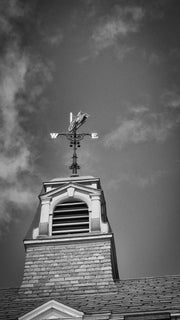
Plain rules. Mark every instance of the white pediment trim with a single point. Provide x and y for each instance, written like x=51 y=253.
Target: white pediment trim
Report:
x=52 y=310
x=75 y=186
x=56 y=192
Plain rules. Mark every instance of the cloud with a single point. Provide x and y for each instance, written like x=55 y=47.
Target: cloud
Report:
x=15 y=197
x=22 y=80
x=15 y=152
x=88 y=161
x=55 y=38
x=141 y=125
x=152 y=58
x=139 y=109
x=124 y=21
x=171 y=99
x=122 y=51
x=136 y=179
x=9 y=10
x=10 y=166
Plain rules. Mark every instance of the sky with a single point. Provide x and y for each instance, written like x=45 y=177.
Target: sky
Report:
x=119 y=61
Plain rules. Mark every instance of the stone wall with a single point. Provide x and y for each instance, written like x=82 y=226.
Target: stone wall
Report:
x=67 y=267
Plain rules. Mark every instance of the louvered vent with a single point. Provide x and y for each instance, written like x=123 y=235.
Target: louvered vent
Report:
x=70 y=217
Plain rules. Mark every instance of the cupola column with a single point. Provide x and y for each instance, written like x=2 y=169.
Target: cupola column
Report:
x=96 y=213
x=44 y=218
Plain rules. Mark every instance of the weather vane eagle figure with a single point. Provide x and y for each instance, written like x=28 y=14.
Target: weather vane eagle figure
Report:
x=75 y=123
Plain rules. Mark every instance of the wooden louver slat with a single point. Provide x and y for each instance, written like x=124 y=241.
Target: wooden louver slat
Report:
x=70 y=217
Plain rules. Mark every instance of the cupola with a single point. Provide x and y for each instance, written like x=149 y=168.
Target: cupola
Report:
x=70 y=207
x=72 y=247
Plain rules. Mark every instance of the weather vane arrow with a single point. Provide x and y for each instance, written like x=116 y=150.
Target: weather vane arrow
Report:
x=75 y=123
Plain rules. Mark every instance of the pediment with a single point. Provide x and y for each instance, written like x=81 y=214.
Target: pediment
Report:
x=52 y=310
x=70 y=188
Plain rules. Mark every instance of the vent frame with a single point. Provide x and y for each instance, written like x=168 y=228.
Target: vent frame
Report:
x=70 y=217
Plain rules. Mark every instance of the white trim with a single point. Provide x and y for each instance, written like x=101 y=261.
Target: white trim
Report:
x=79 y=179
x=174 y=315
x=100 y=316
x=70 y=191
x=72 y=239
x=58 y=191
x=50 y=224
x=148 y=313
x=64 y=311
x=64 y=196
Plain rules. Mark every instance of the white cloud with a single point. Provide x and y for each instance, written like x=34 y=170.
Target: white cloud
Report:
x=141 y=125
x=22 y=80
x=124 y=21
x=15 y=198
x=15 y=155
x=139 y=109
x=19 y=196
x=13 y=70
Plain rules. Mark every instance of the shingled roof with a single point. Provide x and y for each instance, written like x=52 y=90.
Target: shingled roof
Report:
x=146 y=295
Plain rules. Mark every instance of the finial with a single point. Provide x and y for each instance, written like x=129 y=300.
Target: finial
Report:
x=75 y=123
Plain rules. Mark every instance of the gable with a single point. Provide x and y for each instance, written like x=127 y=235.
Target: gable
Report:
x=70 y=188
x=52 y=310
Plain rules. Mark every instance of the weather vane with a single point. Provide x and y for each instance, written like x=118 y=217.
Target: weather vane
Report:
x=75 y=123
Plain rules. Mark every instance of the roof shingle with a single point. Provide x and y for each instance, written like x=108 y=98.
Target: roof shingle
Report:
x=155 y=294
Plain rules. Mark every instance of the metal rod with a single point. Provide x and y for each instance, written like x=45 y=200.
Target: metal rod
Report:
x=74 y=164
